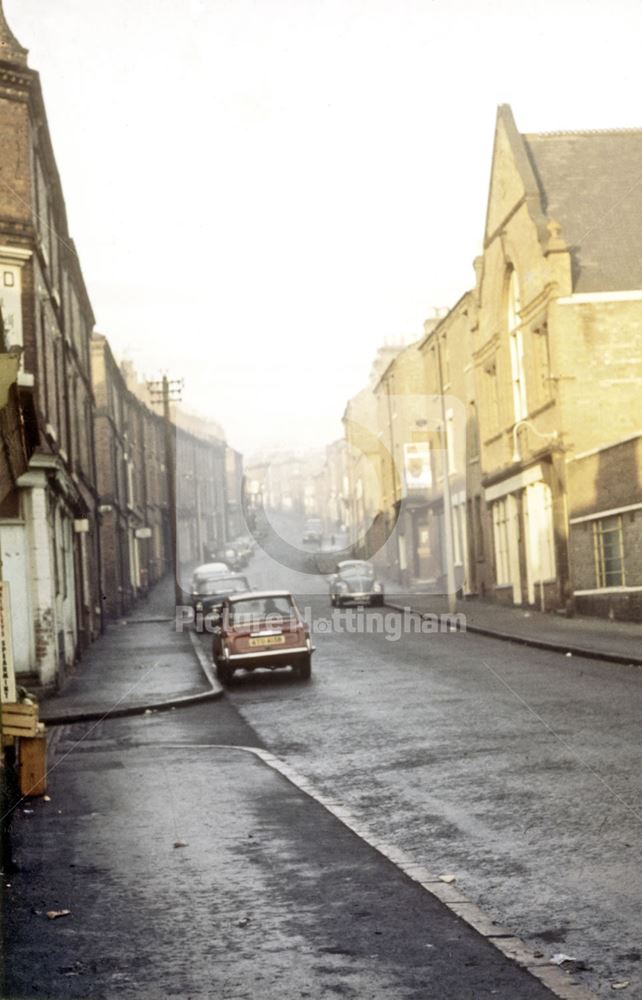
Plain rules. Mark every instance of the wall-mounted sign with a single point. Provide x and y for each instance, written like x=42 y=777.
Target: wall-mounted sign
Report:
x=81 y=526
x=7 y=672
x=417 y=468
x=143 y=532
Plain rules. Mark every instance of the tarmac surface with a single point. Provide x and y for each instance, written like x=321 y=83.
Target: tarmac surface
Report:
x=512 y=768
x=269 y=895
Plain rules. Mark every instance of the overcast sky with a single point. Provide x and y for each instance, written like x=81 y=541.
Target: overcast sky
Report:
x=264 y=191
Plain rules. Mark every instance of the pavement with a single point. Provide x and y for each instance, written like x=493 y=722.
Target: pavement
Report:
x=194 y=868
x=597 y=638
x=140 y=663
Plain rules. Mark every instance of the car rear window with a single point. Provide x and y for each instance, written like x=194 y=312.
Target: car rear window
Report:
x=262 y=609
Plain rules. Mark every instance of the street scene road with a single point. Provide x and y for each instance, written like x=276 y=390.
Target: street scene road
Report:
x=189 y=865
x=320 y=501
x=513 y=768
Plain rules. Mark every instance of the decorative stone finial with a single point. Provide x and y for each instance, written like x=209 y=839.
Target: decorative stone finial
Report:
x=11 y=51
x=555 y=242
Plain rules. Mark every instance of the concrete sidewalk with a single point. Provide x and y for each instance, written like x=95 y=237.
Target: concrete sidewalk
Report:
x=200 y=871
x=619 y=642
x=140 y=661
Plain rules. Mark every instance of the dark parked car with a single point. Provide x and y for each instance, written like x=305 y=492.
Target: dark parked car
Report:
x=245 y=547
x=355 y=583
x=209 y=593
x=261 y=629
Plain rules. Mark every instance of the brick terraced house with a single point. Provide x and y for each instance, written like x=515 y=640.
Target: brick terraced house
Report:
x=48 y=531
x=84 y=502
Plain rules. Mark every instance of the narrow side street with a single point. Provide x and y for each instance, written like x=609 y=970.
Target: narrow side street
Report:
x=494 y=764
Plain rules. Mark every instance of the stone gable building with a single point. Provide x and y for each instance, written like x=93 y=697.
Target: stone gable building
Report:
x=542 y=361
x=558 y=362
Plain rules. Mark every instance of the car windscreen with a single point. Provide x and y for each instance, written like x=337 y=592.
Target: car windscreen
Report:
x=260 y=610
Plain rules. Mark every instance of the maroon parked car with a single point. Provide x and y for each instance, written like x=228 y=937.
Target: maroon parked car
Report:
x=262 y=629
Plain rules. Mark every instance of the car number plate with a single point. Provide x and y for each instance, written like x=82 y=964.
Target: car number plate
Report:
x=268 y=640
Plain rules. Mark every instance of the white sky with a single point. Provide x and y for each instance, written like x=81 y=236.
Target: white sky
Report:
x=263 y=191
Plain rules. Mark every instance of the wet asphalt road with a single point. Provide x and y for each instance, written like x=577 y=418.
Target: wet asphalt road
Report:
x=515 y=769
x=268 y=896
x=510 y=768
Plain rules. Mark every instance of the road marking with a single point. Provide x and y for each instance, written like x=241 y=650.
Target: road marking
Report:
x=504 y=940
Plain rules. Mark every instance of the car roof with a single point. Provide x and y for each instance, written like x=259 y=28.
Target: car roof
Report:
x=218 y=581
x=250 y=595
x=213 y=567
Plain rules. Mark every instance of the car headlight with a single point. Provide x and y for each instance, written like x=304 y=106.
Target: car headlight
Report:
x=377 y=588
x=199 y=605
x=342 y=587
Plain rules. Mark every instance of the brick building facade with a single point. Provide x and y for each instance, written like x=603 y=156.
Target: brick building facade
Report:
x=84 y=529
x=48 y=534
x=133 y=486
x=454 y=454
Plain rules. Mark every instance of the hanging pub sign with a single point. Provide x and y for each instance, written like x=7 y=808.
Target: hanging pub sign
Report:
x=8 y=678
x=417 y=469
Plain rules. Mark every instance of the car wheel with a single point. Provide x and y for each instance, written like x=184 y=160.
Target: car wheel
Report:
x=224 y=672
x=304 y=667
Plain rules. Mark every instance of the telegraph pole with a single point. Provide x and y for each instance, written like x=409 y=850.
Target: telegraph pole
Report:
x=167 y=391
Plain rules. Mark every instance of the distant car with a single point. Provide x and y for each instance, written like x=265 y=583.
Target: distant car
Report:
x=313 y=530
x=355 y=583
x=232 y=556
x=207 y=571
x=360 y=564
x=245 y=547
x=209 y=594
x=261 y=629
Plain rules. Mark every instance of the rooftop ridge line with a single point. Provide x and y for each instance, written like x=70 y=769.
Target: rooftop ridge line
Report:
x=634 y=130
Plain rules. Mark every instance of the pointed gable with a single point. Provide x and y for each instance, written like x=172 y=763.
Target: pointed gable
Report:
x=11 y=51
x=512 y=179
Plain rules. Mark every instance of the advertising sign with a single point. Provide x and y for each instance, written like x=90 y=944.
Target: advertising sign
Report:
x=417 y=469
